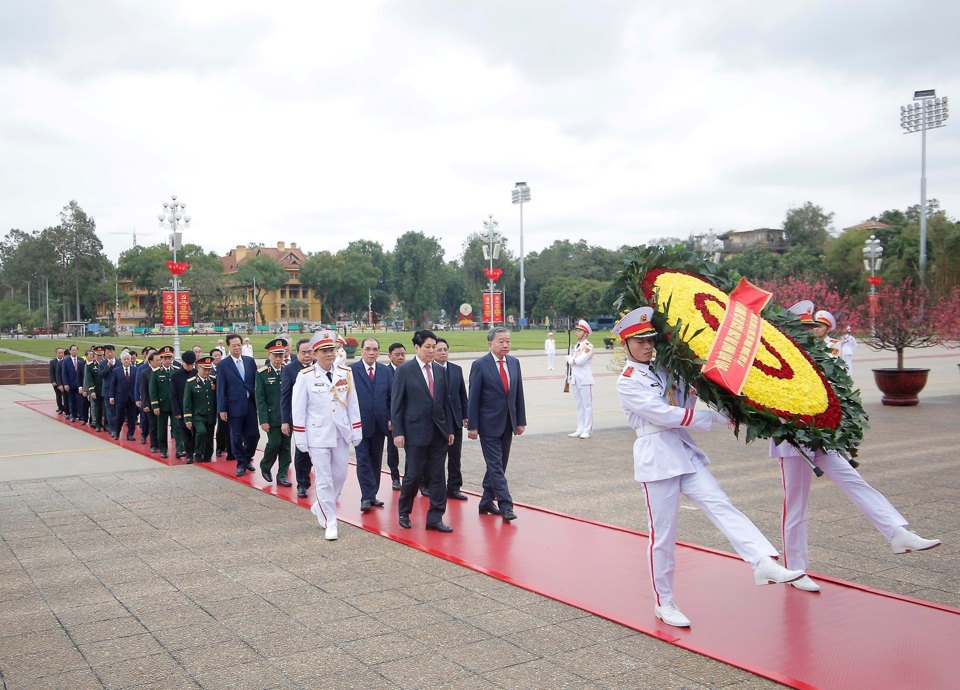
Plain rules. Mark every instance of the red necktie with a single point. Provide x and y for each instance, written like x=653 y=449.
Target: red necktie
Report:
x=429 y=369
x=371 y=373
x=127 y=372
x=503 y=377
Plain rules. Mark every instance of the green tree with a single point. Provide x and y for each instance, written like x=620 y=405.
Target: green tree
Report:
x=319 y=273
x=808 y=225
x=266 y=274
x=418 y=273
x=382 y=294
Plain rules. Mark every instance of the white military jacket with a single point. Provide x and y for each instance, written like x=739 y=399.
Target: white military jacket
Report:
x=663 y=448
x=580 y=372
x=322 y=409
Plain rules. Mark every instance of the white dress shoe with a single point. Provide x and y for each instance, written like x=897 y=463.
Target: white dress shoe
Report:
x=315 y=509
x=806 y=584
x=671 y=615
x=905 y=541
x=575 y=434
x=332 y=532
x=584 y=435
x=770 y=572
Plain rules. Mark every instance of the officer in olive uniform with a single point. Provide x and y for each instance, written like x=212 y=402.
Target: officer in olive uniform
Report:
x=178 y=384
x=93 y=385
x=268 y=385
x=200 y=409
x=160 y=397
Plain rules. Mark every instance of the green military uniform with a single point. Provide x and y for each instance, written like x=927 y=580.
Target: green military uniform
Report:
x=93 y=384
x=200 y=409
x=268 y=412
x=160 y=400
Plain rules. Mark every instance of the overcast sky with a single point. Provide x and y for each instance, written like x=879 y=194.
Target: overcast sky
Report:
x=321 y=122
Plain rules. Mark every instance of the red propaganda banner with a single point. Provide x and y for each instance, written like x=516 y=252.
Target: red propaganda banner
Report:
x=167 y=308
x=738 y=337
x=497 y=307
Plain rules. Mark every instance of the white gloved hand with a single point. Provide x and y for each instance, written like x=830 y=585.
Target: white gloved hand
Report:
x=569 y=359
x=300 y=441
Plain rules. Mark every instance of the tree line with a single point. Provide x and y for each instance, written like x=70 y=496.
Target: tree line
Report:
x=412 y=280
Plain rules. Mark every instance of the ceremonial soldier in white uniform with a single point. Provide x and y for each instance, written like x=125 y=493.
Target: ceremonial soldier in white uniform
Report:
x=668 y=463
x=796 y=475
x=581 y=380
x=326 y=423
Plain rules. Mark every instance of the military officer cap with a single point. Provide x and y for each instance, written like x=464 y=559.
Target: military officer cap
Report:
x=584 y=326
x=323 y=340
x=166 y=351
x=804 y=311
x=204 y=362
x=277 y=346
x=825 y=318
x=98 y=349
x=636 y=324
x=146 y=349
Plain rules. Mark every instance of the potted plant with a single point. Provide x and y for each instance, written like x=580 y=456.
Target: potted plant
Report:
x=907 y=316
x=350 y=347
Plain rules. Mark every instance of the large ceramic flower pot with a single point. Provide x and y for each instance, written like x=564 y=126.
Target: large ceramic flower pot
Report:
x=900 y=387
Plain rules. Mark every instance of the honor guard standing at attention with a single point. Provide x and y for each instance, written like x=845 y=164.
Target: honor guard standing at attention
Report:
x=269 y=382
x=160 y=397
x=93 y=384
x=796 y=475
x=200 y=409
x=178 y=384
x=668 y=464
x=326 y=423
x=581 y=378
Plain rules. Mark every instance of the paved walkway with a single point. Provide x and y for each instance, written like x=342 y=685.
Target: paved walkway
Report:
x=119 y=572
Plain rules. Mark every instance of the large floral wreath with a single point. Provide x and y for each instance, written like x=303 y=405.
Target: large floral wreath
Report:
x=794 y=392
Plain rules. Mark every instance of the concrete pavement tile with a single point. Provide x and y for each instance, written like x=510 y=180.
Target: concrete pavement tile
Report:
x=447 y=634
x=413 y=616
x=472 y=682
x=98 y=631
x=597 y=629
x=388 y=647
x=597 y=661
x=345 y=629
x=83 y=679
x=89 y=613
x=119 y=649
x=468 y=605
x=149 y=586
x=49 y=640
x=547 y=641
x=193 y=635
x=132 y=672
x=90 y=593
x=422 y=671
x=248 y=627
x=552 y=611
x=538 y=673
x=255 y=675
x=141 y=603
x=215 y=655
x=435 y=590
x=292 y=638
x=487 y=655
x=175 y=616
x=510 y=619
x=175 y=681
x=374 y=602
x=329 y=667
x=265 y=577
x=23 y=669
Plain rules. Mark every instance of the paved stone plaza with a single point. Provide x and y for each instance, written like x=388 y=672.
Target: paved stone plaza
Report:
x=119 y=572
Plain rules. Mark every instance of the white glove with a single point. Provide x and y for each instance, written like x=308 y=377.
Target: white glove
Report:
x=569 y=359
x=300 y=441
x=720 y=418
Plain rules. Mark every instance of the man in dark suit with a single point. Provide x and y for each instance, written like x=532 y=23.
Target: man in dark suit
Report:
x=178 y=384
x=398 y=355
x=120 y=390
x=495 y=412
x=422 y=420
x=107 y=368
x=222 y=433
x=71 y=378
x=458 y=401
x=236 y=402
x=55 y=380
x=301 y=461
x=148 y=420
x=373 y=381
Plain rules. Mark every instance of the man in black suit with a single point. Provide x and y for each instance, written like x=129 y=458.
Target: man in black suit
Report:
x=178 y=384
x=120 y=390
x=148 y=425
x=302 y=463
x=423 y=426
x=458 y=401
x=495 y=412
x=236 y=404
x=54 y=370
x=397 y=355
x=222 y=434
x=373 y=381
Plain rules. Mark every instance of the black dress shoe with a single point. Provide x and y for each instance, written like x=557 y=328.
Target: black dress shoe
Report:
x=153 y=449
x=509 y=515
x=219 y=453
x=424 y=491
x=181 y=455
x=396 y=485
x=241 y=471
x=457 y=495
x=143 y=441
x=267 y=475
x=249 y=468
x=376 y=503
x=163 y=455
x=130 y=437
x=189 y=460
x=283 y=482
x=301 y=492
x=364 y=506
x=489 y=509
x=405 y=521
x=440 y=527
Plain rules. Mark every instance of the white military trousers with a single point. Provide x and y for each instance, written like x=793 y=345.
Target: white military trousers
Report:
x=329 y=474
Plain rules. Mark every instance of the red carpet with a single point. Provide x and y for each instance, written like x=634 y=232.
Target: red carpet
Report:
x=845 y=637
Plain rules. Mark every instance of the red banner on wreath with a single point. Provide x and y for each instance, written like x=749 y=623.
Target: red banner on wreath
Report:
x=497 y=307
x=167 y=309
x=738 y=337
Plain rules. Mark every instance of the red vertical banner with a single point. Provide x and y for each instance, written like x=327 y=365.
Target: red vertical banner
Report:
x=497 y=307
x=183 y=313
x=166 y=308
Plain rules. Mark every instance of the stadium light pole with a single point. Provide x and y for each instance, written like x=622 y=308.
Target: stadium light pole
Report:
x=926 y=112
x=521 y=195
x=171 y=218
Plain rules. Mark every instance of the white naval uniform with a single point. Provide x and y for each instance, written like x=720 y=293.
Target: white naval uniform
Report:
x=847 y=345
x=796 y=475
x=326 y=422
x=668 y=463
x=550 y=349
x=581 y=378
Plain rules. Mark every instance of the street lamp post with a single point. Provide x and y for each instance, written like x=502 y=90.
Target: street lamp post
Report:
x=926 y=112
x=491 y=251
x=521 y=195
x=872 y=260
x=171 y=218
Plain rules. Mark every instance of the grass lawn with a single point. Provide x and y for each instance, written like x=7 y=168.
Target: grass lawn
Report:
x=460 y=341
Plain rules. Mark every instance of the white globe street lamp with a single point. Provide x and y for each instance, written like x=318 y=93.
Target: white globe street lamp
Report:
x=491 y=251
x=171 y=219
x=521 y=195
x=872 y=260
